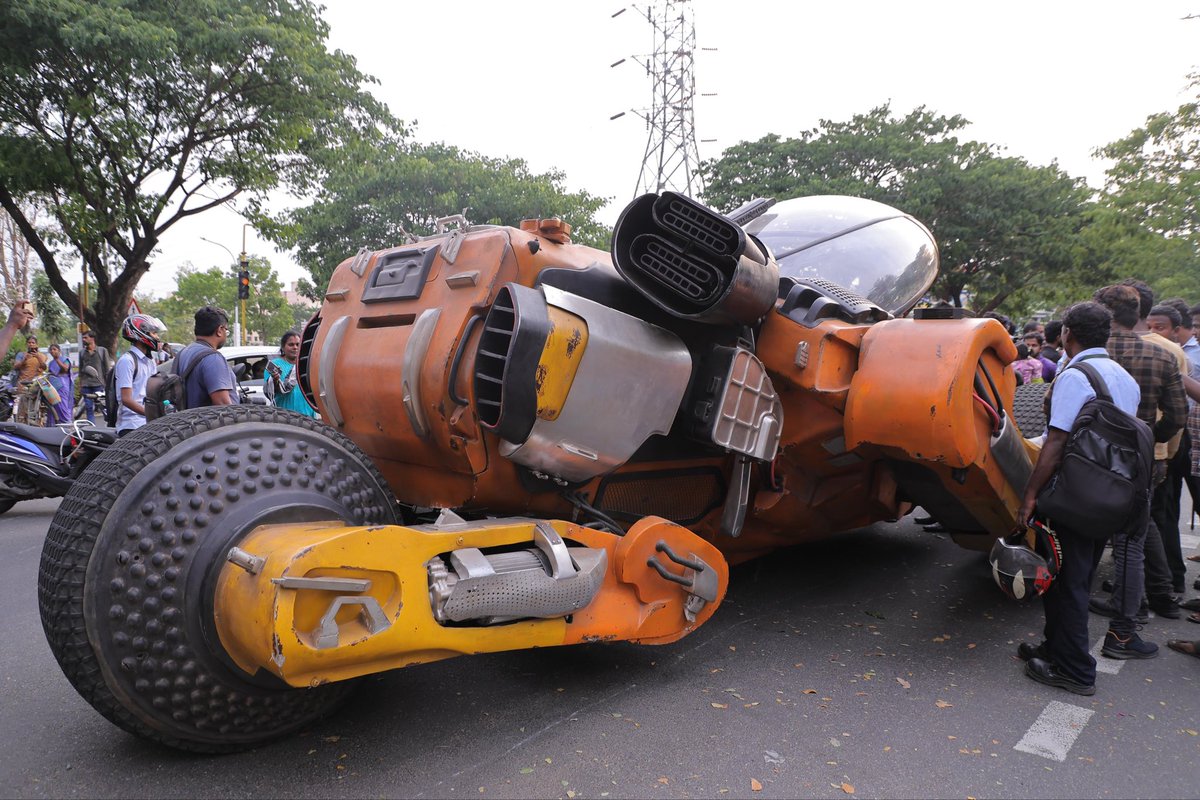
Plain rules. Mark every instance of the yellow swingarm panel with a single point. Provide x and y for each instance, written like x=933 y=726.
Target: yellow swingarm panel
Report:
x=315 y=603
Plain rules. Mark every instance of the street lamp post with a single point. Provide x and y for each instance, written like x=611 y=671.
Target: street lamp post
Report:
x=237 y=326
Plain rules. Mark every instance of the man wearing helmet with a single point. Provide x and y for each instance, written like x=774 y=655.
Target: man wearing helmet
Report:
x=1063 y=660
x=134 y=368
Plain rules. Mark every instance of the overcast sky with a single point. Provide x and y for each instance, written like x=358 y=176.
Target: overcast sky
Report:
x=1048 y=80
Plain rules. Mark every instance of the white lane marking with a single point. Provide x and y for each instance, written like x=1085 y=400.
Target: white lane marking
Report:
x=1109 y=666
x=1189 y=541
x=1052 y=734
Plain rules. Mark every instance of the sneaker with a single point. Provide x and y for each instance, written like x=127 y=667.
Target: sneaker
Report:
x=1027 y=651
x=1166 y=606
x=1105 y=608
x=1044 y=672
x=1131 y=646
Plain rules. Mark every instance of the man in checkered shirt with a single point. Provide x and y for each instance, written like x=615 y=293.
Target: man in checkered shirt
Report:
x=1163 y=407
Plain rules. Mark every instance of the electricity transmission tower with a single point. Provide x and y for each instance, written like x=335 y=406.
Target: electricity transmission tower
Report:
x=672 y=160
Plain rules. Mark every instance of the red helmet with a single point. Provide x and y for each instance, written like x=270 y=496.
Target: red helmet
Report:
x=143 y=329
x=1022 y=573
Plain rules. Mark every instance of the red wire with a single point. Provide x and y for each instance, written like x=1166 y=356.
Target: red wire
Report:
x=991 y=412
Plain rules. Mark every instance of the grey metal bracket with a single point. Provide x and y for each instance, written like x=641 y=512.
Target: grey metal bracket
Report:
x=324 y=584
x=701 y=579
x=372 y=617
x=555 y=549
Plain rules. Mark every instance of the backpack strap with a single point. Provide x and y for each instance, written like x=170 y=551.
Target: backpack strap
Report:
x=1095 y=379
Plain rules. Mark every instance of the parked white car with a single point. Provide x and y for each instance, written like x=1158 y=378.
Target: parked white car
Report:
x=255 y=359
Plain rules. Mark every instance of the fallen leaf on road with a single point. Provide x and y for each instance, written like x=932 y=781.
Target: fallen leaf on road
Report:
x=904 y=683
x=664 y=780
x=330 y=738
x=719 y=705
x=1191 y=732
x=971 y=646
x=526 y=770
x=943 y=704
x=847 y=788
x=755 y=786
x=810 y=691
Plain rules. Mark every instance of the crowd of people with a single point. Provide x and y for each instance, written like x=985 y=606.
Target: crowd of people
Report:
x=208 y=381
x=1149 y=361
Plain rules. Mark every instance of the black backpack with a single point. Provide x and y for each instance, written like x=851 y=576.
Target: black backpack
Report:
x=1103 y=484
x=166 y=390
x=112 y=403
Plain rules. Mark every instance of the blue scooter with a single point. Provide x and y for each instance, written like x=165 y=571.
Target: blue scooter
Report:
x=44 y=462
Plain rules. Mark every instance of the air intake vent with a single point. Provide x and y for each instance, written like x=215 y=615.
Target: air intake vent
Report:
x=696 y=281
x=303 y=364
x=514 y=334
x=492 y=361
x=701 y=226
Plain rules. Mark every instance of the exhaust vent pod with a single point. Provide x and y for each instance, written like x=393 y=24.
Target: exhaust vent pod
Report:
x=692 y=262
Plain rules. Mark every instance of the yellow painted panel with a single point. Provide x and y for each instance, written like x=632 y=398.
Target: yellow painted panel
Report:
x=560 y=361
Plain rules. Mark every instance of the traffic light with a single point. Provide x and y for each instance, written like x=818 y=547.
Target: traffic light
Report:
x=244 y=285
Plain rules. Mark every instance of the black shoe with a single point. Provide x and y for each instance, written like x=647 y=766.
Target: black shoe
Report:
x=936 y=527
x=1105 y=608
x=1191 y=605
x=924 y=520
x=1131 y=646
x=1106 y=586
x=1027 y=651
x=1045 y=672
x=1196 y=584
x=1166 y=606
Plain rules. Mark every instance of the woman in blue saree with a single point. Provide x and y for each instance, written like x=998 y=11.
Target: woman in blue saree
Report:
x=62 y=380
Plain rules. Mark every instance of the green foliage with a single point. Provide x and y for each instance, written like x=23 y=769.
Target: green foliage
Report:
x=378 y=194
x=125 y=116
x=53 y=321
x=267 y=311
x=1153 y=192
x=1003 y=226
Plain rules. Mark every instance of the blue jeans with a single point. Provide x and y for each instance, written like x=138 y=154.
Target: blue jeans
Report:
x=90 y=393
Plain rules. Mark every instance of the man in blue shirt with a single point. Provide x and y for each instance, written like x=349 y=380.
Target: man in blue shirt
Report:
x=1063 y=659
x=212 y=382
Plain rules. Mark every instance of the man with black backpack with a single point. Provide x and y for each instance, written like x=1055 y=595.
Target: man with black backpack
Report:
x=1063 y=659
x=210 y=382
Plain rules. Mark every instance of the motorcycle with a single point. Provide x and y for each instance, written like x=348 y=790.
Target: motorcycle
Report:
x=44 y=462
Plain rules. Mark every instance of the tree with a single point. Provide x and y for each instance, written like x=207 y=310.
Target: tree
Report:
x=1001 y=223
x=124 y=117
x=380 y=194
x=53 y=321
x=1154 y=185
x=267 y=312
x=15 y=258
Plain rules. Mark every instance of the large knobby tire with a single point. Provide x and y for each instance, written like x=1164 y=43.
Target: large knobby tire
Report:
x=129 y=568
x=1027 y=409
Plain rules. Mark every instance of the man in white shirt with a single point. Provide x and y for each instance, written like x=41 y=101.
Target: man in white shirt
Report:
x=134 y=369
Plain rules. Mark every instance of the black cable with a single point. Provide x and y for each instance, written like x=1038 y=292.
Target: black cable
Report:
x=995 y=392
x=576 y=499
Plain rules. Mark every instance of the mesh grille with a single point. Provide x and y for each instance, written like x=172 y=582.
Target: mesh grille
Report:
x=683 y=496
x=838 y=292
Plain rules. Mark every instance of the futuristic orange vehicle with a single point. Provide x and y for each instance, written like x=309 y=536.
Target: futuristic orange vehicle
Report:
x=527 y=442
